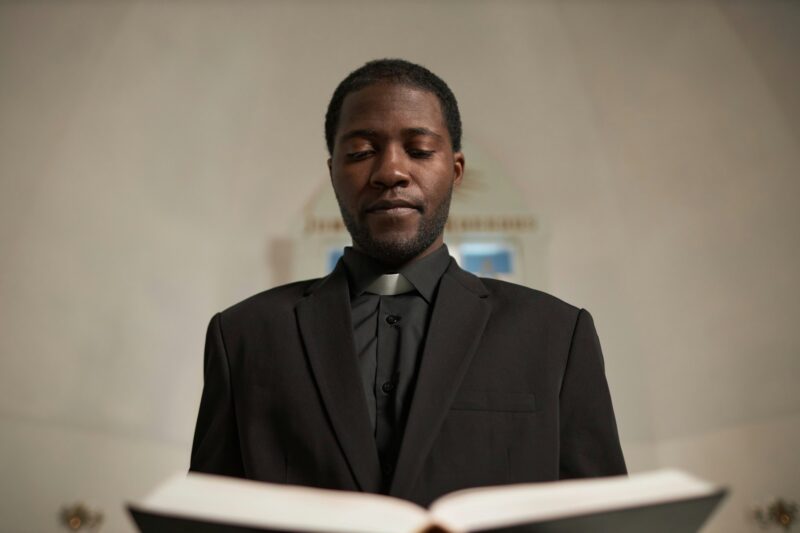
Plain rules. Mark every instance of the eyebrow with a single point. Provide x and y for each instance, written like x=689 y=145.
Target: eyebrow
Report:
x=367 y=134
x=371 y=134
x=421 y=131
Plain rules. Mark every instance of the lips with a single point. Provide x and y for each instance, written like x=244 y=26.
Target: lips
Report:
x=395 y=205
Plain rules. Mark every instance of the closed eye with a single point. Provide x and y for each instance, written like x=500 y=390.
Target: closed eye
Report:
x=360 y=155
x=421 y=154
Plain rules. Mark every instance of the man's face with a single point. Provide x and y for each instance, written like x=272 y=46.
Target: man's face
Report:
x=393 y=170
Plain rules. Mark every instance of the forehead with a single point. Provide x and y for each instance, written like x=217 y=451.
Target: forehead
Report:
x=385 y=107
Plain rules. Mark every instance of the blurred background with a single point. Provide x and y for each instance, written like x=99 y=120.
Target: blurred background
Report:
x=162 y=160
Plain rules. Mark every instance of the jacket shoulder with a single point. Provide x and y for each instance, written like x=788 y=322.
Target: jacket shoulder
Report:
x=276 y=301
x=522 y=300
x=518 y=299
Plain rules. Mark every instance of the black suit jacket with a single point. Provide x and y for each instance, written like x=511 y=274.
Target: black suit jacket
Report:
x=511 y=388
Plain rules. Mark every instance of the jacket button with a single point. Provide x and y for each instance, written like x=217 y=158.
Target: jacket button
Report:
x=392 y=320
x=388 y=387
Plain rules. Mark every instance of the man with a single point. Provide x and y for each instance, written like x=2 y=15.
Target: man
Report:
x=399 y=372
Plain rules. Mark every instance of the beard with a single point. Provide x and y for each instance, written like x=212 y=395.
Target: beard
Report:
x=396 y=250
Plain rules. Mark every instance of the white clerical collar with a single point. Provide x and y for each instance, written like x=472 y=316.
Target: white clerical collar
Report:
x=389 y=285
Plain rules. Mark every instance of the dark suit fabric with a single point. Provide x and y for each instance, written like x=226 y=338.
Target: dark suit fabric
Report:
x=511 y=388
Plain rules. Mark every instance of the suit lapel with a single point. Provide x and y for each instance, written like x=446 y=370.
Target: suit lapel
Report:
x=459 y=317
x=327 y=332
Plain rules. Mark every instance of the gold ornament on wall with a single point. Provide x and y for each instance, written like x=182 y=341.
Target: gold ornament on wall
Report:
x=778 y=512
x=79 y=517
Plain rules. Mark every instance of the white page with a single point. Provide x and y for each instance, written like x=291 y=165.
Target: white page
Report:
x=484 y=508
x=255 y=504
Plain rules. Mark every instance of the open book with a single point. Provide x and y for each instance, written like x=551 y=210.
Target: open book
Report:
x=661 y=501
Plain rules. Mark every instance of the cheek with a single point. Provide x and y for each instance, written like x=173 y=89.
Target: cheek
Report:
x=347 y=192
x=437 y=191
x=343 y=183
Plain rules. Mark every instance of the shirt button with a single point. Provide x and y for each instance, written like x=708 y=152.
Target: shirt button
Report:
x=388 y=387
x=392 y=320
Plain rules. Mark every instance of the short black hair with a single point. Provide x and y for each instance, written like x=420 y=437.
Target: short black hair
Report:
x=399 y=72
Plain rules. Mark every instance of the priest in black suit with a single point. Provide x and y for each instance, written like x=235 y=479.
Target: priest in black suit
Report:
x=399 y=372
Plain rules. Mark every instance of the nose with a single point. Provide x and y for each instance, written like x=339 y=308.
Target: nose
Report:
x=391 y=169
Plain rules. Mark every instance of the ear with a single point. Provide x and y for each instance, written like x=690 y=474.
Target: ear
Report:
x=330 y=168
x=458 y=168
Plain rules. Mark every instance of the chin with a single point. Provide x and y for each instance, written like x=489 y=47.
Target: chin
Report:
x=393 y=249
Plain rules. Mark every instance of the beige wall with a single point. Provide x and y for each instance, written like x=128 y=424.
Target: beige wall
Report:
x=151 y=153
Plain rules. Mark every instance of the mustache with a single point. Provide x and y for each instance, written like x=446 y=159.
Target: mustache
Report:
x=389 y=203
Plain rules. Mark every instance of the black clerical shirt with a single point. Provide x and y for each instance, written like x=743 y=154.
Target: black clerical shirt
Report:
x=389 y=334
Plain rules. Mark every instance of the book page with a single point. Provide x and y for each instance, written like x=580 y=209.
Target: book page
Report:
x=286 y=507
x=492 y=507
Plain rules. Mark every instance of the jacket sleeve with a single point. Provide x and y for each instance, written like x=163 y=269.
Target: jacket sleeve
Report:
x=589 y=443
x=215 y=449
